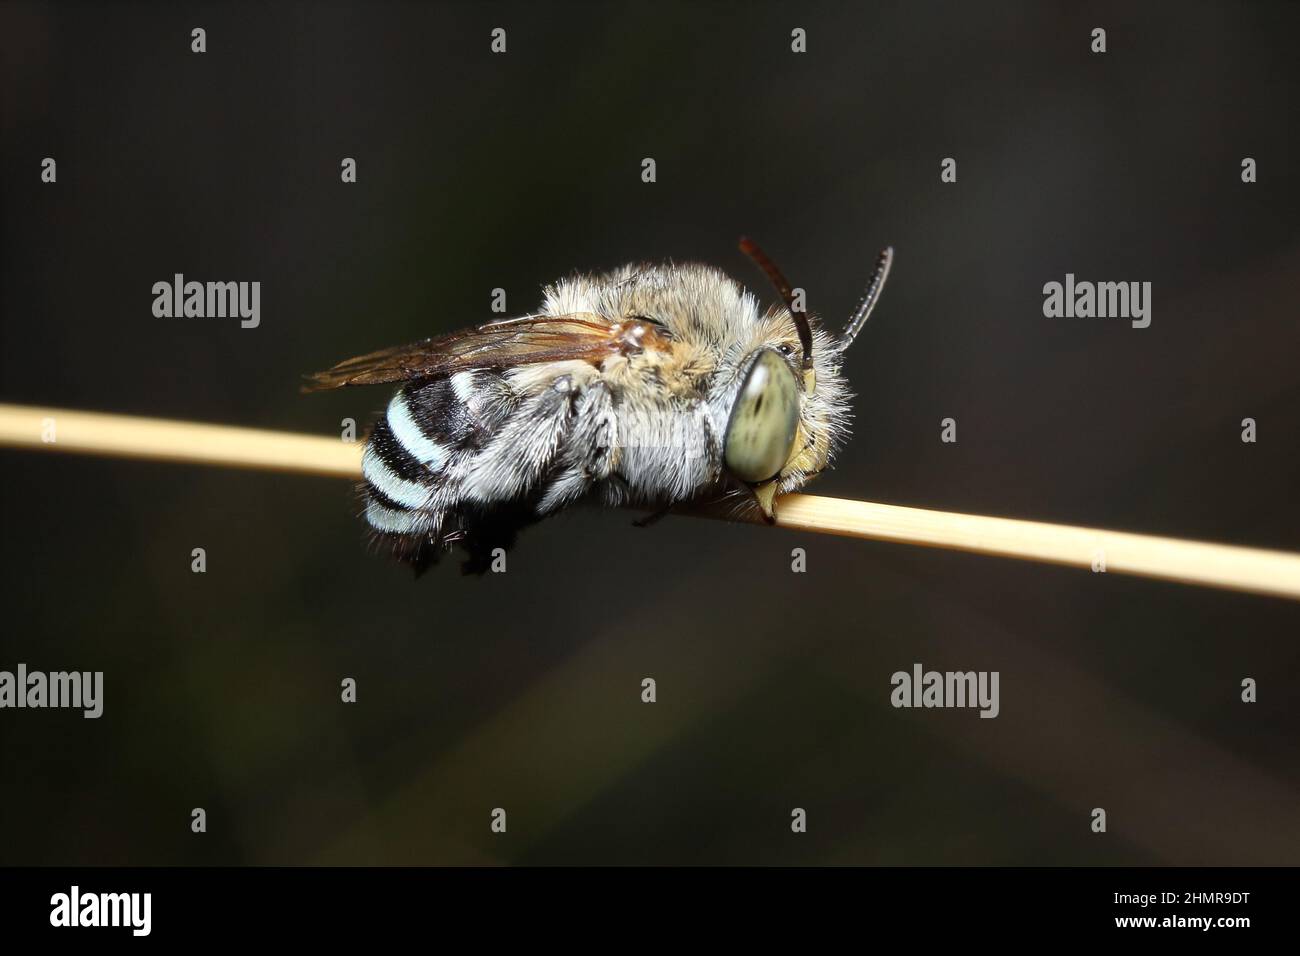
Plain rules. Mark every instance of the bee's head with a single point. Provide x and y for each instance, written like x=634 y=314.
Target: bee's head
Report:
x=791 y=407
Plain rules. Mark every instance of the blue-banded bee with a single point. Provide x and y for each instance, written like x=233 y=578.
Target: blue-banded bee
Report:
x=651 y=386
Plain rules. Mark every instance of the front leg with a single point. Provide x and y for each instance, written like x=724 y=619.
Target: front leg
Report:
x=653 y=518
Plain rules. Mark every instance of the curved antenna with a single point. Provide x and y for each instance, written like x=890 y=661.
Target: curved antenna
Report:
x=869 y=299
x=750 y=248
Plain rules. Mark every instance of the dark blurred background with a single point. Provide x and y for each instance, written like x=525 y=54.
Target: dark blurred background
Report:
x=522 y=690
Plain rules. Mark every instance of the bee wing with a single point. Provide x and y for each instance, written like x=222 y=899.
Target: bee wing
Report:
x=523 y=341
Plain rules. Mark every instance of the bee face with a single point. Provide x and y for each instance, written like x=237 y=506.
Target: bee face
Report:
x=654 y=385
x=778 y=414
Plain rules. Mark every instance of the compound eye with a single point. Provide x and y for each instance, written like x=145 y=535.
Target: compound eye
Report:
x=761 y=431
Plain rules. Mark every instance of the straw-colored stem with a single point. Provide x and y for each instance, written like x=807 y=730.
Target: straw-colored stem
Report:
x=1192 y=562
x=130 y=436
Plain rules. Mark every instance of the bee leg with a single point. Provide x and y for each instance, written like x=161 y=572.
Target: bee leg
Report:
x=418 y=550
x=490 y=533
x=423 y=560
x=479 y=559
x=652 y=519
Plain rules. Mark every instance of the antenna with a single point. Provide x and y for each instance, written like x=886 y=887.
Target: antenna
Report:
x=869 y=299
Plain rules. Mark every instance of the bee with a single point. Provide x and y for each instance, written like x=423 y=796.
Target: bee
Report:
x=651 y=386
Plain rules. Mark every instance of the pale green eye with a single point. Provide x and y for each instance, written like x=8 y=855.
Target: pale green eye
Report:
x=763 y=421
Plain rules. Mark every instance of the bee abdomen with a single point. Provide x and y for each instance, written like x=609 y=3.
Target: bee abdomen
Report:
x=429 y=429
x=407 y=452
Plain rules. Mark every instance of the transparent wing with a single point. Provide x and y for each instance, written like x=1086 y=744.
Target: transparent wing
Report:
x=523 y=341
